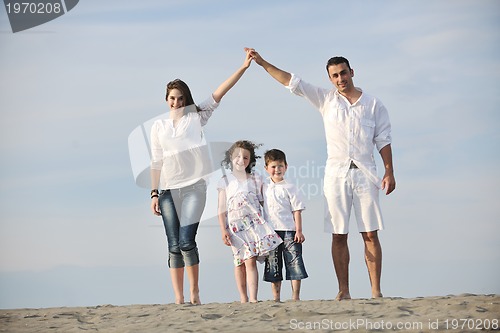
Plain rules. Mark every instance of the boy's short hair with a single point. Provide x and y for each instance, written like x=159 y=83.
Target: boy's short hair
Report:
x=274 y=155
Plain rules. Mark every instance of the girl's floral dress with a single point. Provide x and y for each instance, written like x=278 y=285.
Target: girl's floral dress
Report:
x=250 y=234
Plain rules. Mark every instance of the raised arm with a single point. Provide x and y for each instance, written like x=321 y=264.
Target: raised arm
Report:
x=231 y=81
x=279 y=75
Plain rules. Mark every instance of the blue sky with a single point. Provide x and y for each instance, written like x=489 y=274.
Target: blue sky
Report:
x=76 y=230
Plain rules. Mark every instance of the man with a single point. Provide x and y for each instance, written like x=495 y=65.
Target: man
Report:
x=354 y=124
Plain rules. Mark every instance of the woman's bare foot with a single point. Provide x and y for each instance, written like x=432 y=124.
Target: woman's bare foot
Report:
x=195 y=298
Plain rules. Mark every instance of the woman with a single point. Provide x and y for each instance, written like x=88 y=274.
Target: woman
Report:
x=179 y=164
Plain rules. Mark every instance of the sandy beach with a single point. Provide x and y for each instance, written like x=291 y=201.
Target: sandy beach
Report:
x=457 y=313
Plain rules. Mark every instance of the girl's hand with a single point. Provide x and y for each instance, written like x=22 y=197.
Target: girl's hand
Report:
x=155 y=206
x=225 y=238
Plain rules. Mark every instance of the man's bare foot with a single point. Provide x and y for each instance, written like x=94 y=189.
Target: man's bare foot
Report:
x=342 y=296
x=243 y=299
x=179 y=301
x=377 y=295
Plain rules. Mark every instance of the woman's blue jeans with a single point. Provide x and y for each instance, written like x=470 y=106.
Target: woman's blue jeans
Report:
x=181 y=211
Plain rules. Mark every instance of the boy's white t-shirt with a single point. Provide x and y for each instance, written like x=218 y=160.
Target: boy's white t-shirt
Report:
x=280 y=201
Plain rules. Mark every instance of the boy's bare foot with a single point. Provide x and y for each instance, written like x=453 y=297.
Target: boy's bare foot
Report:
x=377 y=295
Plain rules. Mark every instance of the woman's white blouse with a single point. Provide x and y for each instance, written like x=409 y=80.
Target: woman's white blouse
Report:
x=181 y=152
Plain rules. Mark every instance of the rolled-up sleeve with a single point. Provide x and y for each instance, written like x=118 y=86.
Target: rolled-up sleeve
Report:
x=296 y=201
x=293 y=85
x=315 y=95
x=156 y=149
x=207 y=107
x=382 y=127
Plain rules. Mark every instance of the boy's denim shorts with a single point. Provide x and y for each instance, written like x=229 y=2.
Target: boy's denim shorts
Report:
x=289 y=252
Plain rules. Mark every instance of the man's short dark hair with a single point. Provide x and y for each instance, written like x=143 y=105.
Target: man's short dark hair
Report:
x=337 y=61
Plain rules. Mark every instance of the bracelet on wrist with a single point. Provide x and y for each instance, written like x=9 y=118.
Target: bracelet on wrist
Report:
x=154 y=196
x=154 y=191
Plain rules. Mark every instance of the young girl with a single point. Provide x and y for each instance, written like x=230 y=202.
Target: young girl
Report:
x=240 y=218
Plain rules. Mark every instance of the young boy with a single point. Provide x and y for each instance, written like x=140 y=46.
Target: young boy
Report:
x=282 y=209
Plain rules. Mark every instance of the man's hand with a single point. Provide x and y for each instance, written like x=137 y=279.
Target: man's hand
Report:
x=255 y=55
x=279 y=75
x=388 y=183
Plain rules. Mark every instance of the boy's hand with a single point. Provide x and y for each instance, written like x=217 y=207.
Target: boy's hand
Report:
x=299 y=237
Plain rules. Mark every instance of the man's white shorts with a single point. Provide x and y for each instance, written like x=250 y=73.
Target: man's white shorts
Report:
x=355 y=190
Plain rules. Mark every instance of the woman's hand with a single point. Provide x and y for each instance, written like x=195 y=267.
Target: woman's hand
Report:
x=155 y=206
x=248 y=58
x=231 y=81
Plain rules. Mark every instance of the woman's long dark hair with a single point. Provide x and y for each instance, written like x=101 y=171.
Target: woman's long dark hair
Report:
x=183 y=88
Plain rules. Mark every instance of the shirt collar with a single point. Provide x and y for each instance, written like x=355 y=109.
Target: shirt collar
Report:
x=272 y=184
x=343 y=98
